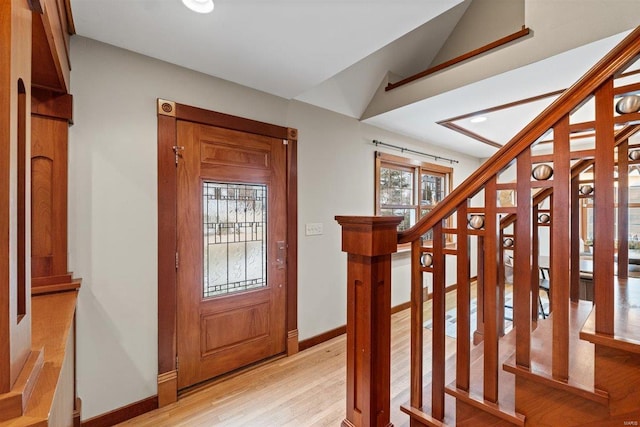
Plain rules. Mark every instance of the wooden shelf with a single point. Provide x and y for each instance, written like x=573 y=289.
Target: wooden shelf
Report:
x=52 y=400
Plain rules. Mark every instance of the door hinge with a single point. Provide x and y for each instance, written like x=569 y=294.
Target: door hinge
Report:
x=177 y=261
x=285 y=141
x=177 y=363
x=177 y=149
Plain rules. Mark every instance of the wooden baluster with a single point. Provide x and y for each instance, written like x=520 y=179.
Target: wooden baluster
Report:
x=560 y=237
x=603 y=212
x=623 y=209
x=576 y=247
x=438 y=344
x=463 y=300
x=501 y=279
x=522 y=299
x=478 y=335
x=369 y=242
x=490 y=293
x=535 y=273
x=417 y=325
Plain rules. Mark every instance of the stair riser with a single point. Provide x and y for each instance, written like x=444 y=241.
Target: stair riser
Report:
x=545 y=406
x=469 y=416
x=618 y=372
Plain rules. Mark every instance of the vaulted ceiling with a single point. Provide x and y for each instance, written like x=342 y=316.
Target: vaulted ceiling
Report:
x=339 y=54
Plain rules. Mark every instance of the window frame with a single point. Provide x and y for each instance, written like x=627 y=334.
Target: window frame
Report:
x=418 y=169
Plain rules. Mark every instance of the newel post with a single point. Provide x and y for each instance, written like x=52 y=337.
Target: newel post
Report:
x=369 y=242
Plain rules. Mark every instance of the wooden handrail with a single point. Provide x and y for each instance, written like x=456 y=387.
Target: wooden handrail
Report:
x=371 y=240
x=486 y=48
x=622 y=55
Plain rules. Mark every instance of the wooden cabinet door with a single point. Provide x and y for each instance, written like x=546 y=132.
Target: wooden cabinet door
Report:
x=231 y=214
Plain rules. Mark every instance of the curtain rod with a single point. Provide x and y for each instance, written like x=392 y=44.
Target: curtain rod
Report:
x=408 y=150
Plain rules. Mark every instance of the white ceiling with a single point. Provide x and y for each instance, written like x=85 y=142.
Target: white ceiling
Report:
x=420 y=119
x=333 y=54
x=283 y=47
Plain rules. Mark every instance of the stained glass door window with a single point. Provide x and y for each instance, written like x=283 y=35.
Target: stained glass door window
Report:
x=235 y=237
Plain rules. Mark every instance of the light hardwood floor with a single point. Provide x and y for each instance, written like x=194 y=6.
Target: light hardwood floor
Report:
x=307 y=389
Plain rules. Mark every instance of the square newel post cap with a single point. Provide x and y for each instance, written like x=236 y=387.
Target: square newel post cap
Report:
x=369 y=235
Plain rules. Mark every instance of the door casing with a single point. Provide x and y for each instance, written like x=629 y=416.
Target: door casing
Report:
x=169 y=112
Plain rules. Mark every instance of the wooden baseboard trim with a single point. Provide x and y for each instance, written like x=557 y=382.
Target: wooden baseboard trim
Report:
x=325 y=336
x=123 y=414
x=167 y=388
x=400 y=307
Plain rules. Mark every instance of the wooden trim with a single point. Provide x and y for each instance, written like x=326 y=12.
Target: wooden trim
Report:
x=476 y=52
x=320 y=338
x=167 y=388
x=51 y=104
x=169 y=113
x=167 y=232
x=340 y=330
x=227 y=121
x=503 y=106
x=449 y=123
x=470 y=134
x=123 y=414
x=73 y=285
x=575 y=128
x=50 y=280
x=292 y=342
x=400 y=307
x=292 y=242
x=619 y=56
x=36 y=6
x=77 y=410
x=71 y=27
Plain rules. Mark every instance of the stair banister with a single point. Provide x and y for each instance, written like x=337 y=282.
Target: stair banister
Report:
x=370 y=255
x=623 y=54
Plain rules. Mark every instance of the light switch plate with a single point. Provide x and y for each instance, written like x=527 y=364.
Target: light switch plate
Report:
x=313 y=229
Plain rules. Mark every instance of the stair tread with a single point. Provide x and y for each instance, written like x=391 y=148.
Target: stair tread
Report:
x=581 y=353
x=423 y=413
x=627 y=319
x=506 y=391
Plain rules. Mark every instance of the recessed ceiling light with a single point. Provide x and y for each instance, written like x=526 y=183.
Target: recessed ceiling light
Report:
x=478 y=119
x=199 y=6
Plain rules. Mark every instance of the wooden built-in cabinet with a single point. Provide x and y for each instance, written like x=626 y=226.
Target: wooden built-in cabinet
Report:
x=37 y=294
x=50 y=117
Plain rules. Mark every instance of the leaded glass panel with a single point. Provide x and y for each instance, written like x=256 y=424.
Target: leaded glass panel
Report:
x=235 y=237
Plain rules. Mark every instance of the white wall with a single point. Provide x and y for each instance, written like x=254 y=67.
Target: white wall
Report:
x=113 y=207
x=557 y=26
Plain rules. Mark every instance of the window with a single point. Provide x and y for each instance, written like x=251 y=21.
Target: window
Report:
x=409 y=188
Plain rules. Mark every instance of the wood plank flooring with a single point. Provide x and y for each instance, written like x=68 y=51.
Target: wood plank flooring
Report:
x=307 y=389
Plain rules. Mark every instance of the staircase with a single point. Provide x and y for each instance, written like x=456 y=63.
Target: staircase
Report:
x=580 y=365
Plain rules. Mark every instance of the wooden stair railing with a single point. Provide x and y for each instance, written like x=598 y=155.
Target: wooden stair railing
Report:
x=482 y=223
x=584 y=162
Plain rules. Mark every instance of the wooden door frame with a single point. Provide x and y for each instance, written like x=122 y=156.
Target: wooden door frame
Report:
x=169 y=112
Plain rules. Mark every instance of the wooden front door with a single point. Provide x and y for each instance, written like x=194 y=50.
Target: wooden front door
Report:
x=231 y=241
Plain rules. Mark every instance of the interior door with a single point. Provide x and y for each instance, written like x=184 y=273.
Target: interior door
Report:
x=231 y=214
